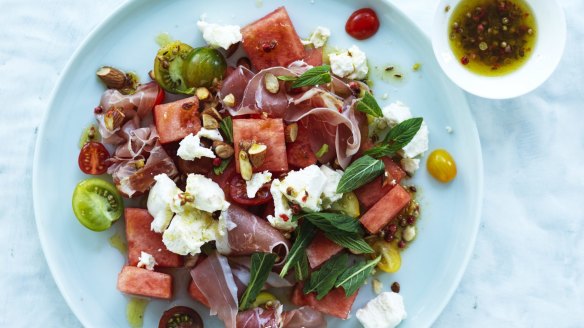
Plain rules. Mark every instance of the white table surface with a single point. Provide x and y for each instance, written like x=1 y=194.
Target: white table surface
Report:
x=527 y=269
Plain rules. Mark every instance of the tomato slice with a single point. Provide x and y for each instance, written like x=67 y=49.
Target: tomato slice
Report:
x=97 y=204
x=92 y=158
x=159 y=96
x=180 y=317
x=238 y=192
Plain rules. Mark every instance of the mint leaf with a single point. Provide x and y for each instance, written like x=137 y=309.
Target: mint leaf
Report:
x=397 y=138
x=360 y=172
x=323 y=280
x=226 y=127
x=218 y=170
x=354 y=277
x=331 y=222
x=304 y=236
x=287 y=78
x=368 y=105
x=315 y=76
x=261 y=265
x=301 y=268
x=354 y=242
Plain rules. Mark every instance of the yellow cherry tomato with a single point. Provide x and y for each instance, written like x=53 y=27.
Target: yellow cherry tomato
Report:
x=390 y=257
x=441 y=165
x=263 y=298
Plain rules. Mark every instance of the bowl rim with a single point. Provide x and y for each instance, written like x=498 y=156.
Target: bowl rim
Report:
x=526 y=78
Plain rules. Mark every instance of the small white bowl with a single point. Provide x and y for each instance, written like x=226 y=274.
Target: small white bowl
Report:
x=549 y=47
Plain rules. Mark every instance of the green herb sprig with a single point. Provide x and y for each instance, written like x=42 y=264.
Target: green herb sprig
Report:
x=304 y=235
x=354 y=277
x=261 y=266
x=226 y=127
x=315 y=76
x=360 y=172
x=397 y=138
x=369 y=105
x=323 y=280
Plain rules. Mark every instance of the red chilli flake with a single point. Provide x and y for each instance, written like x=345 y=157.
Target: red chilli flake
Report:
x=284 y=217
x=464 y=60
x=305 y=197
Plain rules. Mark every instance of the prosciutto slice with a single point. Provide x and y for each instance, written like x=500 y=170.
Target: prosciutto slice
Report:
x=260 y=317
x=135 y=107
x=255 y=97
x=214 y=279
x=141 y=102
x=247 y=234
x=303 y=317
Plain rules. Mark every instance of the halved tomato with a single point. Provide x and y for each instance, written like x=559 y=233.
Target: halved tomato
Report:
x=180 y=316
x=92 y=158
x=238 y=192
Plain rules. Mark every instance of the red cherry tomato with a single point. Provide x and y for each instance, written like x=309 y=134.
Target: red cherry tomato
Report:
x=159 y=96
x=362 y=24
x=180 y=316
x=238 y=192
x=92 y=158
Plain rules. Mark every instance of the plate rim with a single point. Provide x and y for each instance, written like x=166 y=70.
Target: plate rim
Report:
x=44 y=239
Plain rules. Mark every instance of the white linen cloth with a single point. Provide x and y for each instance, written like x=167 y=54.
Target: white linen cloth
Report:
x=527 y=269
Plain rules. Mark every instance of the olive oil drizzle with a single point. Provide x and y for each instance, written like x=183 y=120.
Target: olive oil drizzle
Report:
x=492 y=37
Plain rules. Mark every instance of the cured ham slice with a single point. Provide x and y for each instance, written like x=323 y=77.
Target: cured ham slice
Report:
x=214 y=279
x=332 y=128
x=141 y=102
x=247 y=234
x=138 y=105
x=335 y=303
x=260 y=317
x=320 y=250
x=303 y=317
x=132 y=180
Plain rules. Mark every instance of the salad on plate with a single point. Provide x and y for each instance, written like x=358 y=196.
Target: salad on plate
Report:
x=261 y=164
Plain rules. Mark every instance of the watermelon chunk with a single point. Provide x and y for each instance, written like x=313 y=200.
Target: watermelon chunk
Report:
x=178 y=119
x=372 y=192
x=267 y=131
x=142 y=239
x=197 y=295
x=272 y=41
x=385 y=209
x=335 y=303
x=299 y=152
x=142 y=282
x=320 y=250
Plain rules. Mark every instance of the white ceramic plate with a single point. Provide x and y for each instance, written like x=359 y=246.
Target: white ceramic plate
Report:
x=85 y=266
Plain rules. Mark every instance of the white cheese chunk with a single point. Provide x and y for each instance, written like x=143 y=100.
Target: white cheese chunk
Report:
x=208 y=195
x=329 y=194
x=256 y=182
x=419 y=144
x=282 y=218
x=384 y=311
x=159 y=200
x=318 y=38
x=410 y=165
x=351 y=64
x=213 y=134
x=146 y=261
x=305 y=187
x=186 y=234
x=396 y=113
x=190 y=148
x=219 y=36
